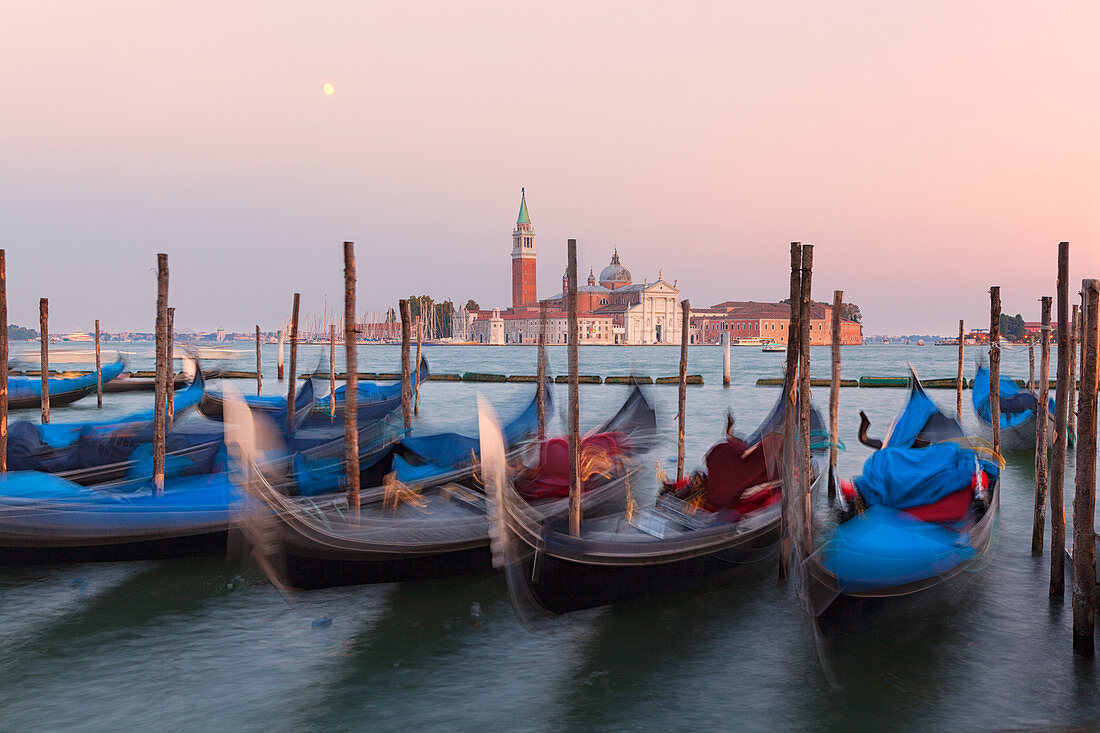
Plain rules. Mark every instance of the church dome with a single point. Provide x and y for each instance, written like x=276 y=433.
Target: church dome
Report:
x=615 y=272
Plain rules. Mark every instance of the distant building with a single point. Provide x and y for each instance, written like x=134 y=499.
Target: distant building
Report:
x=751 y=320
x=612 y=310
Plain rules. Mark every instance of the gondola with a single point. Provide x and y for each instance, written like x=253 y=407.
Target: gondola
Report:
x=698 y=533
x=91 y=452
x=273 y=407
x=1019 y=408
x=442 y=529
x=45 y=518
x=374 y=399
x=26 y=392
x=921 y=513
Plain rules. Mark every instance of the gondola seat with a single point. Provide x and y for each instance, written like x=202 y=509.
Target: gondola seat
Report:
x=550 y=479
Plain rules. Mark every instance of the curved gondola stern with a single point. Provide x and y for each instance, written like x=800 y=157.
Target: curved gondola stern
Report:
x=508 y=551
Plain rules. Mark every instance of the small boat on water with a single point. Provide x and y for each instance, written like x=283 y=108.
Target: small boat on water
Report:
x=774 y=347
x=439 y=527
x=272 y=406
x=1019 y=411
x=920 y=514
x=25 y=392
x=698 y=533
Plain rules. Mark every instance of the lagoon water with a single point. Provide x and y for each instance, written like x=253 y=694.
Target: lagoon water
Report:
x=208 y=644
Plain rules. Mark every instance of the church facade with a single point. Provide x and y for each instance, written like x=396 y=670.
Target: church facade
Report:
x=612 y=309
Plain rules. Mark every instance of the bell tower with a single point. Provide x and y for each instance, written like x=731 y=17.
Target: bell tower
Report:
x=523 y=259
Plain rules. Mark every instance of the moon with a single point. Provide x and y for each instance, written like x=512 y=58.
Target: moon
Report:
x=328 y=89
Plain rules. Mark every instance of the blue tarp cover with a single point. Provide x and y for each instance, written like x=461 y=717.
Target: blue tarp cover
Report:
x=979 y=396
x=904 y=478
x=908 y=425
x=885 y=548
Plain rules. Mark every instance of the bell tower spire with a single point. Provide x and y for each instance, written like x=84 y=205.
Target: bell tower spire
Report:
x=523 y=258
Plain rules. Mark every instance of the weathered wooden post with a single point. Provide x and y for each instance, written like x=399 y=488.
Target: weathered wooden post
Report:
x=995 y=365
x=1071 y=384
x=44 y=351
x=725 y=358
x=959 y=377
x=790 y=504
x=170 y=383
x=804 y=324
x=834 y=392
x=540 y=390
x=332 y=370
x=1084 y=500
x=351 y=383
x=681 y=408
x=161 y=386
x=279 y=358
x=3 y=360
x=575 y=507
x=1061 y=408
x=416 y=387
x=291 y=389
x=1031 y=363
x=406 y=389
x=1041 y=441
x=259 y=368
x=98 y=370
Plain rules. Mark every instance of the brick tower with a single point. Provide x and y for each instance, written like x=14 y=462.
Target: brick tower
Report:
x=523 y=259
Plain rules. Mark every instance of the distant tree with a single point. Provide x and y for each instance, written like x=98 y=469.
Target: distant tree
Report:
x=471 y=305
x=391 y=315
x=850 y=312
x=1012 y=327
x=18 y=333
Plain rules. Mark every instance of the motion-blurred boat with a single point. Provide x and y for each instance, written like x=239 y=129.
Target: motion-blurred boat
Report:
x=921 y=513
x=1019 y=412
x=25 y=392
x=697 y=534
x=439 y=526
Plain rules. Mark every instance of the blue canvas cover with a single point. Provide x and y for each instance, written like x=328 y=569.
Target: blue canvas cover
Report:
x=22 y=388
x=1009 y=390
x=886 y=548
x=904 y=478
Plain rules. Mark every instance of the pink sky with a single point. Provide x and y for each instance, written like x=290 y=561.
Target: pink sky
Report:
x=929 y=150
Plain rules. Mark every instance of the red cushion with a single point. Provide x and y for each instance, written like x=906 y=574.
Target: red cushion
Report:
x=550 y=480
x=950 y=508
x=731 y=468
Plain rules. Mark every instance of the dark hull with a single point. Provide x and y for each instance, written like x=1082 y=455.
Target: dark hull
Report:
x=560 y=585
x=209 y=543
x=56 y=400
x=310 y=571
x=140 y=384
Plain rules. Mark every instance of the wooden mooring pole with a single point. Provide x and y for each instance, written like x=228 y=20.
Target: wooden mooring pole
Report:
x=681 y=405
x=725 y=358
x=1061 y=409
x=170 y=383
x=98 y=370
x=1030 y=363
x=259 y=368
x=1084 y=500
x=790 y=504
x=995 y=365
x=575 y=508
x=44 y=351
x=406 y=389
x=279 y=357
x=291 y=388
x=3 y=360
x=804 y=396
x=1038 y=527
x=416 y=385
x=351 y=388
x=959 y=377
x=1071 y=384
x=540 y=389
x=332 y=370
x=834 y=392
x=161 y=386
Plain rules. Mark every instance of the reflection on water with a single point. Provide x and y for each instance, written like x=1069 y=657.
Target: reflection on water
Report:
x=207 y=644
